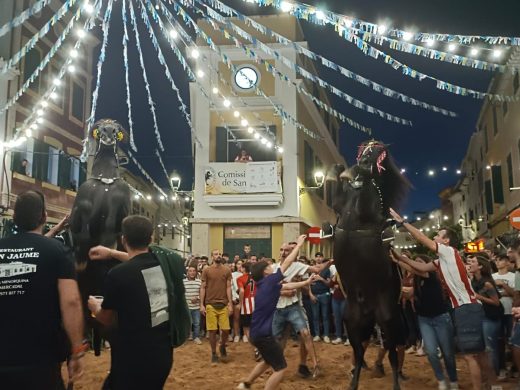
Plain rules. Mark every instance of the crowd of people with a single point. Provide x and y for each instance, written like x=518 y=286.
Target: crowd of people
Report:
x=153 y=301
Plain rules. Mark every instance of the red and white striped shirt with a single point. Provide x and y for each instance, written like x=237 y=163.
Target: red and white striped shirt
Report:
x=248 y=284
x=454 y=276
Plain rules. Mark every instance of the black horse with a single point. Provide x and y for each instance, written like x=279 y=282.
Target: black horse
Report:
x=365 y=193
x=102 y=202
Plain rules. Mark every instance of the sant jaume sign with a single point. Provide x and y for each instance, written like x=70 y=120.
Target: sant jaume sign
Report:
x=242 y=178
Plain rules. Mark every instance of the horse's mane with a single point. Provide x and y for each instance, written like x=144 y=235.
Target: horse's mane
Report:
x=394 y=186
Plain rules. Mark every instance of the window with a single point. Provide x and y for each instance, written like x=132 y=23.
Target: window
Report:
x=486 y=142
x=53 y=165
x=504 y=108
x=78 y=101
x=51 y=74
x=229 y=144
x=308 y=161
x=41 y=160
x=23 y=152
x=498 y=189
x=31 y=62
x=510 y=178
x=489 y=197
x=516 y=83
x=495 y=121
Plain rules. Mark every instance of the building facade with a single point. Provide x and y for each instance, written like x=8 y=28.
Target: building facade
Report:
x=488 y=190
x=49 y=159
x=245 y=190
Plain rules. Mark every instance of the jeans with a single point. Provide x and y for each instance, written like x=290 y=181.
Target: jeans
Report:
x=195 y=321
x=338 y=310
x=505 y=334
x=491 y=330
x=437 y=332
x=322 y=306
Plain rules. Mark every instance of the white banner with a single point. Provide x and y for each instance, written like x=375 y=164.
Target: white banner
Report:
x=242 y=178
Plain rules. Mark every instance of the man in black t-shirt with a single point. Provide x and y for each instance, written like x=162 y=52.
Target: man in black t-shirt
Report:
x=136 y=292
x=39 y=302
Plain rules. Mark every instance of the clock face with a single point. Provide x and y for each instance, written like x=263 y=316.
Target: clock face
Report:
x=246 y=77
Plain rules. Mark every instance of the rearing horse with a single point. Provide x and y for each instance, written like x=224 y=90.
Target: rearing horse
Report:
x=102 y=202
x=364 y=194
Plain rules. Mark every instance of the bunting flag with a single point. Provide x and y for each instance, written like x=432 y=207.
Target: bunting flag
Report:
x=105 y=27
x=309 y=14
x=143 y=171
x=127 y=81
x=317 y=57
x=54 y=49
x=319 y=16
x=18 y=20
x=258 y=91
x=40 y=34
x=182 y=107
x=151 y=103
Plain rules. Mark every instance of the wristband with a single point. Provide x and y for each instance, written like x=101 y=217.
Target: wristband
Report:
x=80 y=349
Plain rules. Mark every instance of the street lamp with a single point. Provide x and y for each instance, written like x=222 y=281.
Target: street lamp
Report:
x=319 y=179
x=175 y=181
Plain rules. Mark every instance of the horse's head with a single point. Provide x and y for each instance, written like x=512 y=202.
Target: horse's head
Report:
x=371 y=157
x=108 y=132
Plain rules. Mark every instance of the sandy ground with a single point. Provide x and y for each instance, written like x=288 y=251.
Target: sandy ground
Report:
x=192 y=370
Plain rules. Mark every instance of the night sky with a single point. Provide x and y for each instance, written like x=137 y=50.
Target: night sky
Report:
x=433 y=141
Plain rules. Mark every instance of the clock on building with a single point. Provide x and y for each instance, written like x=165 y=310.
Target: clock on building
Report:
x=246 y=77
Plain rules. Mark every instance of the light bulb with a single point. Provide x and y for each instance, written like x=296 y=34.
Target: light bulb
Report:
x=187 y=199
x=452 y=47
x=227 y=103
x=149 y=197
x=215 y=90
x=89 y=8
x=497 y=53
x=81 y=34
x=236 y=114
x=407 y=36
x=430 y=42
x=458 y=172
x=250 y=130
x=263 y=141
x=473 y=52
x=44 y=104
x=34 y=126
x=53 y=95
x=28 y=132
x=320 y=15
x=269 y=144
x=173 y=33
x=244 y=122
x=200 y=73
x=195 y=53
x=257 y=136
x=39 y=112
x=57 y=82
x=431 y=172
x=74 y=53
x=444 y=169
x=381 y=29
x=285 y=6
x=280 y=150
x=39 y=120
x=136 y=196
x=71 y=68
x=162 y=197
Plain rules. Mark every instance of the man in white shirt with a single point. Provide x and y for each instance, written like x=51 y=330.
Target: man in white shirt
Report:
x=505 y=282
x=468 y=314
x=289 y=310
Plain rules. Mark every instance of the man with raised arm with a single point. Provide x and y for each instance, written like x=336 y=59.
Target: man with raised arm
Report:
x=468 y=314
x=269 y=285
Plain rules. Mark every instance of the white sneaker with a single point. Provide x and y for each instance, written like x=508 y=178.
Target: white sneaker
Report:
x=337 y=341
x=454 y=386
x=197 y=341
x=326 y=339
x=496 y=387
x=316 y=338
x=242 y=386
x=347 y=342
x=502 y=375
x=236 y=339
x=245 y=339
x=442 y=385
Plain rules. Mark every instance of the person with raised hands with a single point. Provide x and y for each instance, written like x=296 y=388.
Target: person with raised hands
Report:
x=269 y=286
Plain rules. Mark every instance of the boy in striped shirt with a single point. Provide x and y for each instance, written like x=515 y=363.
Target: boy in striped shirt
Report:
x=246 y=293
x=192 y=287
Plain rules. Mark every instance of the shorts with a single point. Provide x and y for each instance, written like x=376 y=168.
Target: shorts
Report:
x=271 y=351
x=515 y=335
x=294 y=315
x=217 y=318
x=467 y=322
x=245 y=320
